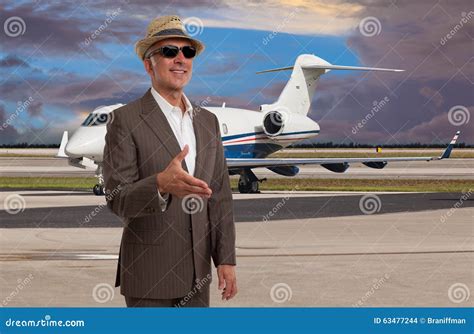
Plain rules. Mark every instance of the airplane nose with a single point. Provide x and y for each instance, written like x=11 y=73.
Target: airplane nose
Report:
x=73 y=148
x=86 y=142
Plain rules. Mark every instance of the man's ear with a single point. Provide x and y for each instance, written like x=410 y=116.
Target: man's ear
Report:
x=147 y=65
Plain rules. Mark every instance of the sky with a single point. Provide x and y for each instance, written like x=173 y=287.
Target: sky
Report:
x=59 y=60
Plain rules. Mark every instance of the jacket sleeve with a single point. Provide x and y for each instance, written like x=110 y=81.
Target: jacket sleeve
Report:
x=127 y=195
x=220 y=209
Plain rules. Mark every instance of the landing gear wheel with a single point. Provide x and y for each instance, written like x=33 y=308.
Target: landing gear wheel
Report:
x=98 y=190
x=249 y=183
x=248 y=187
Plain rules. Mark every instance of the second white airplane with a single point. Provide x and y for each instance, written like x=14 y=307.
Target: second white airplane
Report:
x=248 y=136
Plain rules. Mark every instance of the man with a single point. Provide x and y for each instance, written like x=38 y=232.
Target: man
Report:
x=166 y=176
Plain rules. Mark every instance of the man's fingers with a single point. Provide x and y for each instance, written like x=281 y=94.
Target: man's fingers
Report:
x=220 y=274
x=230 y=289
x=195 y=182
x=193 y=190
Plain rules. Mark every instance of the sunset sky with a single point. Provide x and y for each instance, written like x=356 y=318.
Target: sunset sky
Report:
x=65 y=59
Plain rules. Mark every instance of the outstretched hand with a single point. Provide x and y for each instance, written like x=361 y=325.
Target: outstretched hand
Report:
x=176 y=181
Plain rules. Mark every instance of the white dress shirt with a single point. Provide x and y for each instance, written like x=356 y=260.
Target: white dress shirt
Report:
x=182 y=126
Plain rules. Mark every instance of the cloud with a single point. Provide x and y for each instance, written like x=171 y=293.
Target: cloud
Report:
x=8 y=133
x=437 y=76
x=13 y=61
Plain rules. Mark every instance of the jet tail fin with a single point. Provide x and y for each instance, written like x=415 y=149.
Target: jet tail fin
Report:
x=297 y=95
x=61 y=152
x=447 y=152
x=334 y=67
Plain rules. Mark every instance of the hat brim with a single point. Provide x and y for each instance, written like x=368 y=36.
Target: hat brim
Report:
x=142 y=46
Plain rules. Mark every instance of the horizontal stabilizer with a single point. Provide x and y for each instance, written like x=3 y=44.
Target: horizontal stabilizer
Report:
x=334 y=67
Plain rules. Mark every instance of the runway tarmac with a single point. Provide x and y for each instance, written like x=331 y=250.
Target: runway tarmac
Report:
x=41 y=208
x=443 y=169
x=316 y=249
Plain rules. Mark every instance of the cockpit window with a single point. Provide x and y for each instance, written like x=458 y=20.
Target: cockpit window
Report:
x=95 y=119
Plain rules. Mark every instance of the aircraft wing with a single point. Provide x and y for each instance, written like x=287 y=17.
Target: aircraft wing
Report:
x=333 y=164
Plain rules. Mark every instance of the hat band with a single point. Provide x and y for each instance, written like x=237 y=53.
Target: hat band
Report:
x=170 y=32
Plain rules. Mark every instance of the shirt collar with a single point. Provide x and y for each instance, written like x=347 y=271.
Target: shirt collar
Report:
x=167 y=108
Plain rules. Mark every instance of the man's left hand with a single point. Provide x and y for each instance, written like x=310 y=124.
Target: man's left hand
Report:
x=227 y=281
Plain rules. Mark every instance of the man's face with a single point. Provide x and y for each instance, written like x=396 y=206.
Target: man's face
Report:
x=169 y=74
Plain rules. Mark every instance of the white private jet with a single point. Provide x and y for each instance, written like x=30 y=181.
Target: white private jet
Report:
x=248 y=136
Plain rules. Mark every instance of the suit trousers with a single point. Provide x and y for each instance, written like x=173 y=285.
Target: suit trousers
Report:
x=197 y=297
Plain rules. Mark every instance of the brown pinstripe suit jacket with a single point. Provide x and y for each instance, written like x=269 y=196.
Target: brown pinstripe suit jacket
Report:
x=161 y=253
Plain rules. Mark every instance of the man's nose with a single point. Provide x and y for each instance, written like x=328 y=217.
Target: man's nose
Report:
x=180 y=57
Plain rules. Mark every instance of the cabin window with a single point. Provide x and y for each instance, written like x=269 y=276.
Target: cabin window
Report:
x=224 y=128
x=96 y=119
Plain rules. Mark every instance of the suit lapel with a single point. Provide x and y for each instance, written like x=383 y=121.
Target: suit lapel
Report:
x=153 y=116
x=200 y=144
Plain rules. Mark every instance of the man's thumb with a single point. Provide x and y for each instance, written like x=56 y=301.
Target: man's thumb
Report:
x=183 y=153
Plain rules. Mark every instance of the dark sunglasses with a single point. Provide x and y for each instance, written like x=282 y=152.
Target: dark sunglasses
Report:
x=171 y=51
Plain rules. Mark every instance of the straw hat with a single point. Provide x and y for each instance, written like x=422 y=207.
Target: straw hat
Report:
x=162 y=28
